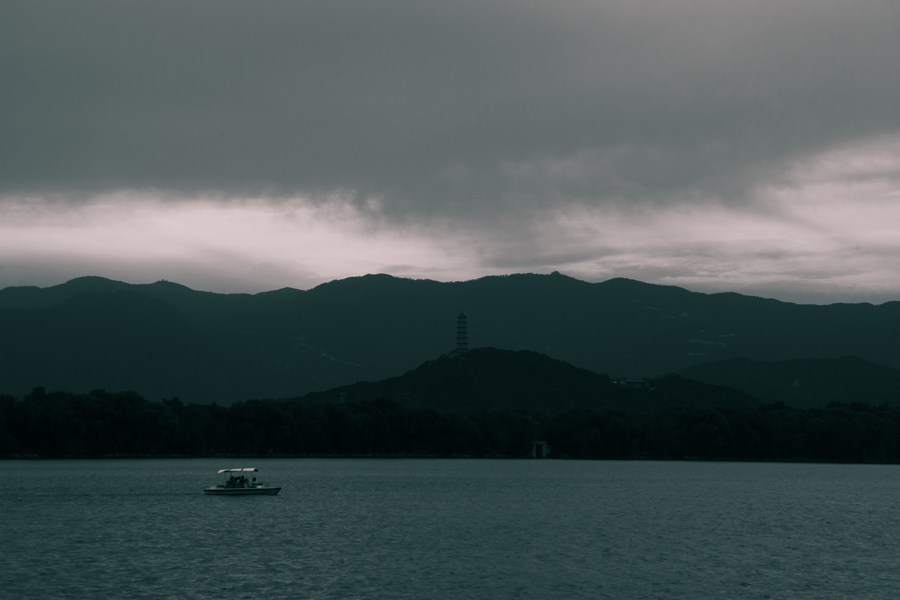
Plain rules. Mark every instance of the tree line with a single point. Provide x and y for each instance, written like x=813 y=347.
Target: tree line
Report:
x=104 y=424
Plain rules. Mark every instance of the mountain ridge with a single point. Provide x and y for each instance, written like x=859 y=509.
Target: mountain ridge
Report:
x=288 y=342
x=805 y=382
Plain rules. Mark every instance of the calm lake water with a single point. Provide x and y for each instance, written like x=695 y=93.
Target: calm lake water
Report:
x=343 y=528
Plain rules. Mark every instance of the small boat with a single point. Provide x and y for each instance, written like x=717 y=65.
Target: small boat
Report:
x=242 y=482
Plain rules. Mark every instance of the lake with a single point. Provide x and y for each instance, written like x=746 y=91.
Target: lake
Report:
x=378 y=528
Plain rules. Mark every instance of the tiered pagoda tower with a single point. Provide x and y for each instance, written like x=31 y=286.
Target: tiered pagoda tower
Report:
x=462 y=334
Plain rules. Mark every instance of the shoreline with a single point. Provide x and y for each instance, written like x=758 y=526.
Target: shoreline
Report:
x=795 y=460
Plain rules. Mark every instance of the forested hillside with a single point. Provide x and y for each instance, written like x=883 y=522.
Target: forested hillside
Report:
x=509 y=380
x=165 y=340
x=805 y=382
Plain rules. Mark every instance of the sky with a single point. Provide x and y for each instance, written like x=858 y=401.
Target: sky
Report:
x=235 y=146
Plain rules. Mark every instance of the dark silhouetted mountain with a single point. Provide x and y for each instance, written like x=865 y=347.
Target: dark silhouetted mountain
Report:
x=488 y=379
x=225 y=347
x=806 y=382
x=162 y=340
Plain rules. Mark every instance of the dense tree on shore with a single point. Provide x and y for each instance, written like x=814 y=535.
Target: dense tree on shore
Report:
x=99 y=424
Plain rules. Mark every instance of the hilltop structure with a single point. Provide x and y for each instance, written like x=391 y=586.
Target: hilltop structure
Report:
x=462 y=335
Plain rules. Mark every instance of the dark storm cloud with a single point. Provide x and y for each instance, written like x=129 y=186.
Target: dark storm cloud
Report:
x=466 y=108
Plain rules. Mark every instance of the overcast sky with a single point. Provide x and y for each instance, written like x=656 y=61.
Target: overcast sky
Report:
x=240 y=146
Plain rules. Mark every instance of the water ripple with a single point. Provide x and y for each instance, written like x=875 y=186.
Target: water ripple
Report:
x=409 y=529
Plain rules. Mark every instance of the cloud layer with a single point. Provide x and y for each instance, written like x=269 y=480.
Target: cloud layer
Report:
x=503 y=135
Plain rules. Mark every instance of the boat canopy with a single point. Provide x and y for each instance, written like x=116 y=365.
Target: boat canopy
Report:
x=237 y=470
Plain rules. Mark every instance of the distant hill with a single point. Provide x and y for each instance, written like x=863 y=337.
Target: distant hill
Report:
x=164 y=339
x=805 y=382
x=490 y=379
